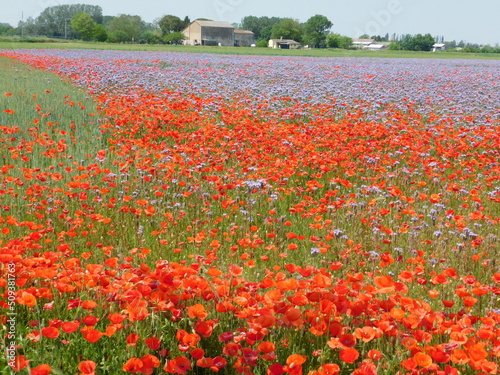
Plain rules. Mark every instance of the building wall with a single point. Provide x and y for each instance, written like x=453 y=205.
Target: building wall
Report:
x=244 y=40
x=193 y=34
x=272 y=43
x=222 y=35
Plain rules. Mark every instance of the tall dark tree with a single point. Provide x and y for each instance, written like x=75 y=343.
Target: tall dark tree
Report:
x=260 y=26
x=316 y=29
x=170 y=24
x=423 y=42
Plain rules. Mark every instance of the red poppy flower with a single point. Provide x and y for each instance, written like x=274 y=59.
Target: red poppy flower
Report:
x=197 y=311
x=87 y=367
x=422 y=359
x=20 y=362
x=90 y=334
x=153 y=343
x=133 y=365
x=41 y=370
x=179 y=365
x=50 y=332
x=349 y=355
x=329 y=369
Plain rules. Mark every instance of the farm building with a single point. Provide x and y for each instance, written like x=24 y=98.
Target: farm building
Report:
x=284 y=43
x=369 y=44
x=209 y=33
x=377 y=46
x=362 y=43
x=243 y=38
x=438 y=47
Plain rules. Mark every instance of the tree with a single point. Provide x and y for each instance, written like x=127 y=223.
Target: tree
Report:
x=27 y=27
x=409 y=42
x=288 y=28
x=394 y=46
x=100 y=34
x=125 y=28
x=338 y=41
x=53 y=21
x=316 y=29
x=5 y=28
x=262 y=44
x=406 y=42
x=174 y=38
x=106 y=20
x=423 y=42
x=260 y=26
x=170 y=24
x=83 y=24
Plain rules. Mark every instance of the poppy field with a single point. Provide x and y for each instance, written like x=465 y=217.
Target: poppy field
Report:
x=183 y=213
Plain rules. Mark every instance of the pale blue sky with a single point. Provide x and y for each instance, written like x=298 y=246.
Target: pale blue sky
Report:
x=475 y=22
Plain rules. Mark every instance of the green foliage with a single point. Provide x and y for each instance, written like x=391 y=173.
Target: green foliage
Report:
x=170 y=24
x=338 y=41
x=106 y=20
x=174 y=38
x=262 y=43
x=260 y=26
x=379 y=38
x=84 y=25
x=423 y=42
x=288 y=28
x=125 y=29
x=5 y=28
x=417 y=42
x=53 y=21
x=152 y=37
x=100 y=34
x=394 y=46
x=316 y=29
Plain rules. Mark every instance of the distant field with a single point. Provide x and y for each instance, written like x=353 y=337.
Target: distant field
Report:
x=6 y=43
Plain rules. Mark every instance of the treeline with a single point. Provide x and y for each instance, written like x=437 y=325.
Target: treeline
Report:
x=82 y=21
x=315 y=32
x=417 y=42
x=86 y=22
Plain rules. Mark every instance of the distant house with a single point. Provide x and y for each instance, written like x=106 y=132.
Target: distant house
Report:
x=438 y=47
x=243 y=38
x=369 y=44
x=377 y=46
x=209 y=33
x=284 y=43
x=362 y=43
